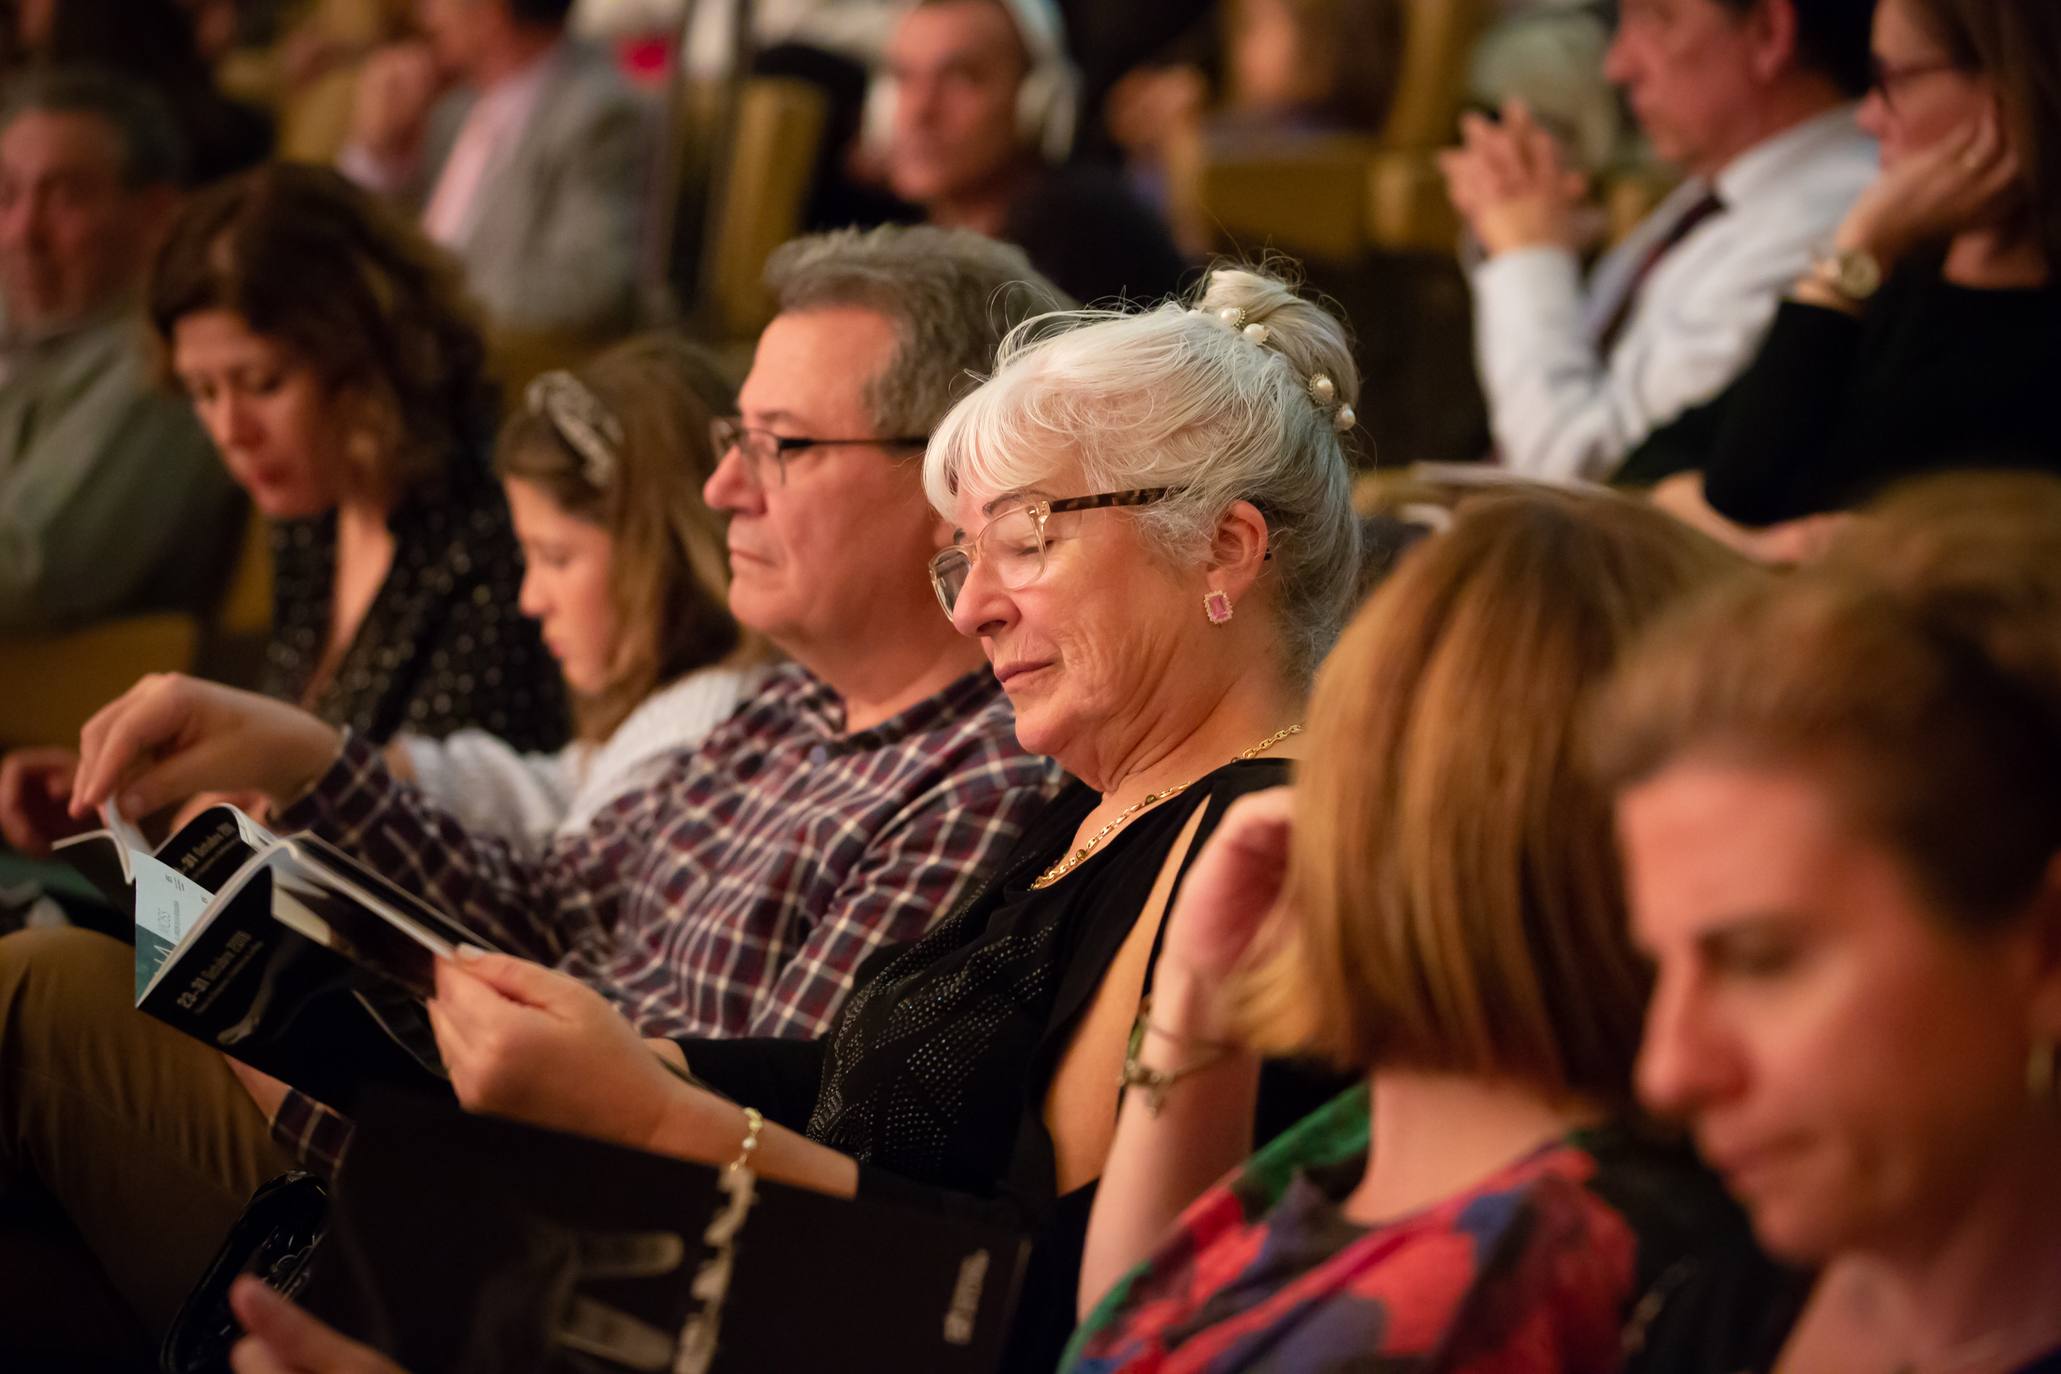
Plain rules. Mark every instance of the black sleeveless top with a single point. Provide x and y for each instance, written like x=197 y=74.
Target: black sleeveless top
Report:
x=935 y=1073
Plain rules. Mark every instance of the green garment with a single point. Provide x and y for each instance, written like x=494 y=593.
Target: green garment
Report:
x=112 y=501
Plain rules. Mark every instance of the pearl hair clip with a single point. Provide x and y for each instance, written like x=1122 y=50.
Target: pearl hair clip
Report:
x=1322 y=391
x=581 y=420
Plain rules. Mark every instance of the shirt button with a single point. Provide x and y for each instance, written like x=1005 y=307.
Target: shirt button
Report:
x=819 y=754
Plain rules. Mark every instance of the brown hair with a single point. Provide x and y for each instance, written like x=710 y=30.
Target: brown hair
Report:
x=1916 y=672
x=669 y=574
x=2016 y=44
x=308 y=259
x=1453 y=898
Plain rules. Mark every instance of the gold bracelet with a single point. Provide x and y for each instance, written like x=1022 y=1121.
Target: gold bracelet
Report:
x=1156 y=1082
x=754 y=1122
x=1145 y=1021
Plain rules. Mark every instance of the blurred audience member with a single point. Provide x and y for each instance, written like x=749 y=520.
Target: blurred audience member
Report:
x=1839 y=796
x=1451 y=926
x=1110 y=42
x=1929 y=335
x=1550 y=54
x=524 y=152
x=1751 y=99
x=153 y=43
x=625 y=573
x=983 y=110
x=109 y=498
x=1296 y=69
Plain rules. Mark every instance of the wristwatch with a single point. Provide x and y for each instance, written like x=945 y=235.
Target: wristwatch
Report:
x=1854 y=274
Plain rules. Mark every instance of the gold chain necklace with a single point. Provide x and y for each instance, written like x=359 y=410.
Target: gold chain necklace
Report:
x=1074 y=860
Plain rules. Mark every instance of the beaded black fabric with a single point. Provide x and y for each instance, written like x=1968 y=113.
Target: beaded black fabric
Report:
x=938 y=1065
x=443 y=645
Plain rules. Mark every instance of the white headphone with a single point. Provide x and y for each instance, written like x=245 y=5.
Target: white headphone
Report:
x=1048 y=101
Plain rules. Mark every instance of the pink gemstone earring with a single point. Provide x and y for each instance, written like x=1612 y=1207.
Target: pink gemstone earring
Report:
x=1217 y=606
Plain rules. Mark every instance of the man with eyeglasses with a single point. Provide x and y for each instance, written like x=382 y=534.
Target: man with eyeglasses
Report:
x=1754 y=101
x=851 y=803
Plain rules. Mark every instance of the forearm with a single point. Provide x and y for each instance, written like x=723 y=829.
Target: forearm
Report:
x=1161 y=1162
x=702 y=1127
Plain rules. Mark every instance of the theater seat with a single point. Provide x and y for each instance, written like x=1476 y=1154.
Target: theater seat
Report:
x=50 y=684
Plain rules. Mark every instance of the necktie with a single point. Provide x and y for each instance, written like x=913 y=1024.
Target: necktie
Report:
x=449 y=211
x=1701 y=210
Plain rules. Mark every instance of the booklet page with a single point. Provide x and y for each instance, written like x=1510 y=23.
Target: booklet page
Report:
x=167 y=905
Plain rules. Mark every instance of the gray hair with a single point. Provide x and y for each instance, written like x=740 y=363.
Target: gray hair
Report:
x=951 y=295
x=1196 y=400
x=153 y=153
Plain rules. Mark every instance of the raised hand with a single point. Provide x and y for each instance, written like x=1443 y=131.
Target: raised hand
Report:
x=396 y=88
x=1511 y=183
x=1232 y=888
x=522 y=1041
x=1961 y=182
x=35 y=787
x=171 y=736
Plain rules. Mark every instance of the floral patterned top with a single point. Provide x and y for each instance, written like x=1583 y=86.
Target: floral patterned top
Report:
x=1603 y=1251
x=444 y=646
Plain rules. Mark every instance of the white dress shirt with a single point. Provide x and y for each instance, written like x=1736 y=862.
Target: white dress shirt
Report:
x=1558 y=408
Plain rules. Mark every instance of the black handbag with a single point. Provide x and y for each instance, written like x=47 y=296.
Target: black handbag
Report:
x=275 y=1238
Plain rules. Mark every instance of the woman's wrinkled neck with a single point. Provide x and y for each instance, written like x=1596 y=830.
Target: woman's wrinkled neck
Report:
x=1189 y=728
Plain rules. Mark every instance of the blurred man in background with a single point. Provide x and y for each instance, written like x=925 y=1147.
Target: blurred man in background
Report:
x=111 y=498
x=524 y=152
x=984 y=101
x=1753 y=100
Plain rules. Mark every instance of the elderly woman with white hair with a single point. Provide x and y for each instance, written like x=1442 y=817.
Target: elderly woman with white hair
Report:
x=1154 y=545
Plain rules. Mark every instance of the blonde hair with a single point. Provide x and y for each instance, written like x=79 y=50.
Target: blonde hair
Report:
x=1172 y=397
x=1916 y=673
x=1453 y=898
x=670 y=576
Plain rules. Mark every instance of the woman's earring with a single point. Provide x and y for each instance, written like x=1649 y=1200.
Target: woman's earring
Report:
x=2043 y=1074
x=1217 y=606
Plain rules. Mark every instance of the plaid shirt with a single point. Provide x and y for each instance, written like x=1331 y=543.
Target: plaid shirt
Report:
x=736 y=895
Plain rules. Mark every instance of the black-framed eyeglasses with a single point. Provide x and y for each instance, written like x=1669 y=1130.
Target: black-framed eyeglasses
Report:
x=1886 y=78
x=760 y=448
x=1013 y=543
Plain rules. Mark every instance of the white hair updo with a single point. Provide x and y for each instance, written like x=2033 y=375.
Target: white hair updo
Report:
x=1247 y=395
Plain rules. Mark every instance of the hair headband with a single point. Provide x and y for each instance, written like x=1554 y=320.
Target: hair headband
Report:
x=581 y=420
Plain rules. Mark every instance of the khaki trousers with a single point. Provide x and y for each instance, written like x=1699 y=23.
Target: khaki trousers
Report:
x=126 y=1151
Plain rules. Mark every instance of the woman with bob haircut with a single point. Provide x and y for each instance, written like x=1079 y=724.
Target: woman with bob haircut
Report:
x=1928 y=335
x=625 y=574
x=1839 y=798
x=1450 y=925
x=1155 y=547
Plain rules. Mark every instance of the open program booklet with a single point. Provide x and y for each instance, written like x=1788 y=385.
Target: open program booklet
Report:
x=285 y=952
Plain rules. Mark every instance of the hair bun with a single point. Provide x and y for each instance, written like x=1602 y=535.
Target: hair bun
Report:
x=1268 y=312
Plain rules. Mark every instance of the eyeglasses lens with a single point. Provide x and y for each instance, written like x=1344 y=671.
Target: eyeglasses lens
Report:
x=1014 y=546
